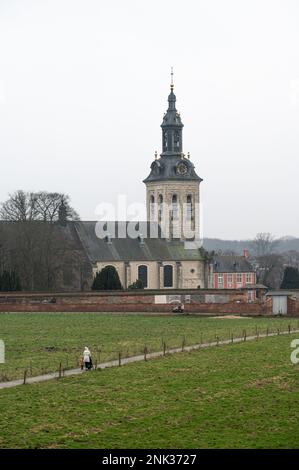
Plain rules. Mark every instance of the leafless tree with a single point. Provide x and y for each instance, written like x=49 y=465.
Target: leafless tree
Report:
x=24 y=206
x=264 y=244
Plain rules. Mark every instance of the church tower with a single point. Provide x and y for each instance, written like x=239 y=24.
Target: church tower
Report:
x=172 y=187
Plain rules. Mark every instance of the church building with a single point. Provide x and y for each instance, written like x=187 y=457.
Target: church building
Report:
x=164 y=251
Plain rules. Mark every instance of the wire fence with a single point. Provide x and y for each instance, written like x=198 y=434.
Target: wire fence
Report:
x=70 y=360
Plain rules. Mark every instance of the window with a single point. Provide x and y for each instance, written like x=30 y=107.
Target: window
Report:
x=152 y=207
x=189 y=206
x=248 y=278
x=168 y=276
x=250 y=296
x=174 y=203
x=230 y=278
x=160 y=206
x=239 y=278
x=142 y=274
x=220 y=279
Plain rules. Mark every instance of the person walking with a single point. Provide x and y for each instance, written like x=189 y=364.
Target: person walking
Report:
x=87 y=358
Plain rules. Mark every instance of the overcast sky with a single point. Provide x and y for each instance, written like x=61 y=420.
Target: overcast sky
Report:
x=84 y=85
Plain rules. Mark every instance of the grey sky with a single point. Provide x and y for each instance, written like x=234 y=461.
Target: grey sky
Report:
x=84 y=85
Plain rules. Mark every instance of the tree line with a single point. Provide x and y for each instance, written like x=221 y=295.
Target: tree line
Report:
x=33 y=248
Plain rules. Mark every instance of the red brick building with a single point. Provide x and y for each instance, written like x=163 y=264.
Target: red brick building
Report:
x=233 y=272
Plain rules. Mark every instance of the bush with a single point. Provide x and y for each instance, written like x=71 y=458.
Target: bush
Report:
x=136 y=285
x=290 y=278
x=107 y=279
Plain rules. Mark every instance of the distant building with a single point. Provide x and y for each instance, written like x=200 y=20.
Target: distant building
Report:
x=233 y=272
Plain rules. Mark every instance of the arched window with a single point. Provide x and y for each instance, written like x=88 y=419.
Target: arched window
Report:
x=152 y=207
x=168 y=275
x=160 y=208
x=142 y=274
x=189 y=206
x=174 y=203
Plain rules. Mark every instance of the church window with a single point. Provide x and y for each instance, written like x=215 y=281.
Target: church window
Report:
x=152 y=207
x=168 y=275
x=174 y=203
x=189 y=206
x=160 y=208
x=142 y=274
x=164 y=140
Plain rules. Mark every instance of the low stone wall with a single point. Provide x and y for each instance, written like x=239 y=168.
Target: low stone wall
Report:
x=209 y=301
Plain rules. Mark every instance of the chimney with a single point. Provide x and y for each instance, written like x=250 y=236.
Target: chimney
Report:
x=246 y=253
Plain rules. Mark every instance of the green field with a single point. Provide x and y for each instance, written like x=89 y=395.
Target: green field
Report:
x=39 y=342
x=236 y=396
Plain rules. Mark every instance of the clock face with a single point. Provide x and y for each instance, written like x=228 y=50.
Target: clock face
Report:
x=182 y=169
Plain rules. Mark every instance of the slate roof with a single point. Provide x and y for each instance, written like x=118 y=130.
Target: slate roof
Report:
x=143 y=248
x=165 y=168
x=231 y=264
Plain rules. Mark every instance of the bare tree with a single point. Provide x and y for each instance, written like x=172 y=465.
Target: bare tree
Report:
x=27 y=206
x=264 y=244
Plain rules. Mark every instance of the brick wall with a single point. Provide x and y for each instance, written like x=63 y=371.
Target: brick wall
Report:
x=205 y=302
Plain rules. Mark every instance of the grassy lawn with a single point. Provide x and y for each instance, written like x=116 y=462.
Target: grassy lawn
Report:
x=235 y=396
x=39 y=342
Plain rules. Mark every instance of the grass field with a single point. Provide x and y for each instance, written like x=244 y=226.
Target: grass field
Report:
x=39 y=342
x=236 y=396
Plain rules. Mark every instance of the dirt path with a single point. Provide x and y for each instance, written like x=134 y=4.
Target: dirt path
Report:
x=141 y=357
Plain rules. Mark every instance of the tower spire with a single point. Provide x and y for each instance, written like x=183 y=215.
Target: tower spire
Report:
x=171 y=80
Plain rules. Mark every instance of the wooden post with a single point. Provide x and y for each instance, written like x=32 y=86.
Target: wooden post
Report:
x=25 y=376
x=278 y=331
x=164 y=348
x=232 y=338
x=245 y=335
x=256 y=330
x=183 y=343
x=145 y=353
x=289 y=329
x=119 y=359
x=96 y=364
x=201 y=338
x=217 y=339
x=60 y=370
x=258 y=334
x=267 y=333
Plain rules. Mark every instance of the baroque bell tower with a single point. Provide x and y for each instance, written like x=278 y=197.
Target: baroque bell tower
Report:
x=172 y=187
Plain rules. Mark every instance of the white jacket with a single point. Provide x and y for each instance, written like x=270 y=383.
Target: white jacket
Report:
x=86 y=355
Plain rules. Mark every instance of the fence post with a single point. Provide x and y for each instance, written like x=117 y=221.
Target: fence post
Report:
x=278 y=331
x=200 y=338
x=60 y=370
x=164 y=348
x=232 y=338
x=245 y=335
x=217 y=340
x=289 y=329
x=183 y=343
x=267 y=333
x=258 y=334
x=119 y=359
x=25 y=376
x=96 y=364
x=145 y=353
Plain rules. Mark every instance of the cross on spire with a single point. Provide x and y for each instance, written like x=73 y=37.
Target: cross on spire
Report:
x=171 y=82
